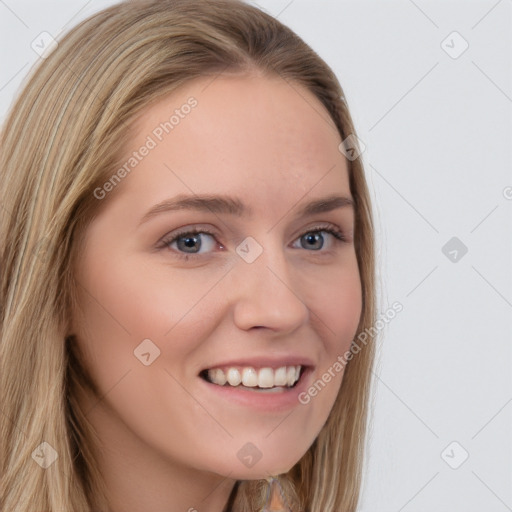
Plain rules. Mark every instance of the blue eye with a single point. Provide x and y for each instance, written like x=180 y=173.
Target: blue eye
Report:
x=189 y=243
x=311 y=240
x=314 y=238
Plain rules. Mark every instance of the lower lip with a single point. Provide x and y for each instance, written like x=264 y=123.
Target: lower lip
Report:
x=261 y=400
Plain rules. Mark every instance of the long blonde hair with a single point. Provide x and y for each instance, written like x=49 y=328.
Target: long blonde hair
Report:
x=63 y=138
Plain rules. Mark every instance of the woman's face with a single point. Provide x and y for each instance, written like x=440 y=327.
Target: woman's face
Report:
x=261 y=288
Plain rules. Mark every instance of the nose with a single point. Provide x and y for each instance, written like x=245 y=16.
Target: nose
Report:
x=264 y=294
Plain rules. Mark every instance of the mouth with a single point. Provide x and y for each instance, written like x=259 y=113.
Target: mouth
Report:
x=249 y=378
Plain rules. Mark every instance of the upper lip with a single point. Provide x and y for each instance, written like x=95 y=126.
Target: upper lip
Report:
x=263 y=362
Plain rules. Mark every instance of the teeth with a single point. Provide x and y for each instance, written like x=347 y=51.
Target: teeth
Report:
x=234 y=378
x=249 y=377
x=217 y=375
x=266 y=378
x=290 y=375
x=280 y=377
x=285 y=376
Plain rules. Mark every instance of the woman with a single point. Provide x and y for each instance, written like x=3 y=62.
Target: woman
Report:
x=139 y=373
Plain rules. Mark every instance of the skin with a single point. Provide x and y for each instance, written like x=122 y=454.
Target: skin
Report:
x=167 y=444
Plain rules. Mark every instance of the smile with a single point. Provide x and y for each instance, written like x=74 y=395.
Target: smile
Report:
x=255 y=378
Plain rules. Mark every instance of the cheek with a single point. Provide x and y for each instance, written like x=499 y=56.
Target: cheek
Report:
x=124 y=305
x=336 y=315
x=139 y=301
x=337 y=306
x=344 y=309
x=120 y=307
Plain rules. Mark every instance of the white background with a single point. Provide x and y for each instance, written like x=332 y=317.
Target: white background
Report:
x=437 y=131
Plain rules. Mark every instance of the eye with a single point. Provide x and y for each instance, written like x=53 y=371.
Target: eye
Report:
x=190 y=242
x=314 y=239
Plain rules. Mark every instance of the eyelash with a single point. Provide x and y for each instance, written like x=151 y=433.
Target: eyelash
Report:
x=165 y=244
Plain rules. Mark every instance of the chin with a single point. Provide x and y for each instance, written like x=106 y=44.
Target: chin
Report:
x=256 y=469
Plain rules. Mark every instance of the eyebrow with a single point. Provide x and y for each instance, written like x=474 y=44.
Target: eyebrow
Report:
x=222 y=204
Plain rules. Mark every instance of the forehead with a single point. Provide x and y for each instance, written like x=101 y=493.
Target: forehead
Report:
x=264 y=139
